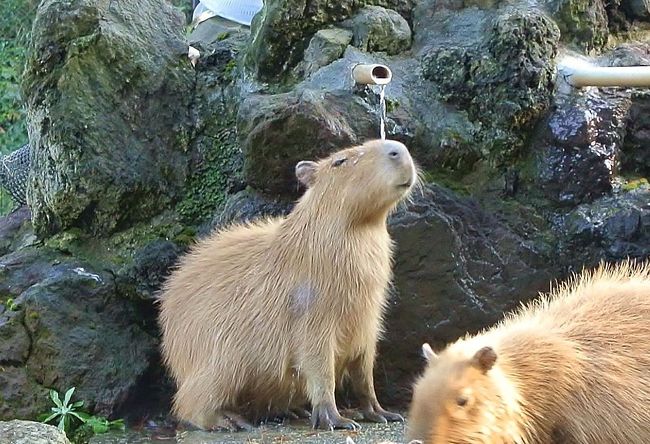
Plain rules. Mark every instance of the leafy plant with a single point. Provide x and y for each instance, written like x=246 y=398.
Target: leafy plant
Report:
x=64 y=411
x=78 y=425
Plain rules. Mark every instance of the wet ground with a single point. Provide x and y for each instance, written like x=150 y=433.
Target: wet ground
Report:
x=296 y=432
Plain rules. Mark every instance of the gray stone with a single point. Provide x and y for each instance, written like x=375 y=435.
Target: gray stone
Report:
x=324 y=47
x=457 y=270
x=583 y=23
x=379 y=29
x=580 y=148
x=637 y=9
x=248 y=205
x=28 y=432
x=280 y=32
x=108 y=112
x=70 y=329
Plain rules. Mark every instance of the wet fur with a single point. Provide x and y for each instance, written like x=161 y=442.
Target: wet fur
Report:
x=571 y=368
x=263 y=317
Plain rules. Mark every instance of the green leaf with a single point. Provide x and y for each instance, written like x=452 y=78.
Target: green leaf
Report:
x=51 y=417
x=55 y=397
x=76 y=415
x=68 y=395
x=77 y=404
x=61 y=425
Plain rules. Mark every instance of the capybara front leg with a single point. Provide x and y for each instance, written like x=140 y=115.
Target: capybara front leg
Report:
x=318 y=370
x=361 y=373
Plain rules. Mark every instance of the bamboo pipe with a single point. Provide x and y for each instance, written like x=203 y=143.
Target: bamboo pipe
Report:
x=371 y=74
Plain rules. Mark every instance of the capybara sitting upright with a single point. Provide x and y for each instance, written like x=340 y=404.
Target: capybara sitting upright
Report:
x=573 y=367
x=261 y=318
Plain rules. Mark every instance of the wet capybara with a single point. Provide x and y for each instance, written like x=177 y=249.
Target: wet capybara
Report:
x=572 y=367
x=260 y=319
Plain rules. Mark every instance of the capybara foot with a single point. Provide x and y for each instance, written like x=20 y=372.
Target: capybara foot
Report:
x=301 y=413
x=326 y=416
x=230 y=422
x=378 y=414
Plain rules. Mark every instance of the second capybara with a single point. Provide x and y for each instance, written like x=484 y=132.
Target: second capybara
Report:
x=570 y=368
x=260 y=319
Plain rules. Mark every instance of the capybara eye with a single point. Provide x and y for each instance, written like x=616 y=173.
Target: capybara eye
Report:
x=339 y=162
x=461 y=401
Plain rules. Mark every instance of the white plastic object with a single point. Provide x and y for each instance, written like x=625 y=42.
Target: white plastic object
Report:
x=372 y=74
x=238 y=11
x=606 y=75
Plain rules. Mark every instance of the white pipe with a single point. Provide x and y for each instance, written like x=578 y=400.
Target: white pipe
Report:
x=371 y=74
x=586 y=75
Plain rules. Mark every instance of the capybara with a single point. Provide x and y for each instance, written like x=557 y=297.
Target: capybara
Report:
x=572 y=367
x=260 y=319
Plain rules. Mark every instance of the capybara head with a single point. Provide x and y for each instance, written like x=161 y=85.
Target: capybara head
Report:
x=459 y=399
x=361 y=182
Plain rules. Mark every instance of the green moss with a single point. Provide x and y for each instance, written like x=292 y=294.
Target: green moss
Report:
x=206 y=190
x=634 y=184
x=446 y=180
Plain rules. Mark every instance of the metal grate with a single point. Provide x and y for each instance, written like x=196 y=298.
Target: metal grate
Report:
x=14 y=173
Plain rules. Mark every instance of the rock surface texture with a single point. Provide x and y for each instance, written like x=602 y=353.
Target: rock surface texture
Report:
x=27 y=432
x=137 y=153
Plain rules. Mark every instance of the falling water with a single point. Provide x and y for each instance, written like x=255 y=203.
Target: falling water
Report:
x=382 y=111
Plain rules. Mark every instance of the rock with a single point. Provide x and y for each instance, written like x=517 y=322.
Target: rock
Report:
x=504 y=81
x=578 y=156
x=457 y=269
x=324 y=47
x=581 y=22
x=281 y=31
x=611 y=228
x=248 y=205
x=15 y=230
x=28 y=432
x=278 y=131
x=69 y=329
x=635 y=158
x=108 y=112
x=378 y=29
x=637 y=9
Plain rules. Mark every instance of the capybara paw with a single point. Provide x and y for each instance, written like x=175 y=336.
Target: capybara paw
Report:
x=327 y=417
x=382 y=416
x=301 y=413
x=232 y=422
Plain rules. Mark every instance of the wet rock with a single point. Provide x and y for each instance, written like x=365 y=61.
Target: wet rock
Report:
x=637 y=9
x=324 y=47
x=635 y=157
x=281 y=32
x=378 y=29
x=108 y=108
x=610 y=228
x=581 y=22
x=28 y=432
x=15 y=230
x=457 y=269
x=248 y=205
x=578 y=156
x=504 y=80
x=69 y=329
x=280 y=130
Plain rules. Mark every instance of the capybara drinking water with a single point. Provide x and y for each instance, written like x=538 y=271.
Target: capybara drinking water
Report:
x=259 y=319
x=573 y=367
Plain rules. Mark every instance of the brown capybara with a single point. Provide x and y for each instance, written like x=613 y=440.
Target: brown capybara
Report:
x=259 y=319
x=572 y=367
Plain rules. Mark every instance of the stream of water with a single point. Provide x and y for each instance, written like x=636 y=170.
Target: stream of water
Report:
x=382 y=111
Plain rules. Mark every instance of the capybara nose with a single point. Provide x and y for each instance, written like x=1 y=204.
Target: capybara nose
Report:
x=396 y=150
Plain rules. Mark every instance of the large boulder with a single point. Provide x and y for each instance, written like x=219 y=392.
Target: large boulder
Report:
x=28 y=432
x=281 y=31
x=504 y=80
x=62 y=325
x=580 y=146
x=458 y=269
x=377 y=29
x=108 y=94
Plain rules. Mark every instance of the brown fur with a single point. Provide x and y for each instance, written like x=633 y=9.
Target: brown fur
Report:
x=264 y=317
x=573 y=367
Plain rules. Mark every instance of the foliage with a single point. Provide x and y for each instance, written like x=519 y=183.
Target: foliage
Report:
x=78 y=425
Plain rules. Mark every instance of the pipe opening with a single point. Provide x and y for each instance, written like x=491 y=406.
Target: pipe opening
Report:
x=380 y=72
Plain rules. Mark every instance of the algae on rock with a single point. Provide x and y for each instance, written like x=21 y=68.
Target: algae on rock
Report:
x=108 y=113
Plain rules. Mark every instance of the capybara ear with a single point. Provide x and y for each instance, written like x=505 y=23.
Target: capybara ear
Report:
x=484 y=359
x=306 y=172
x=428 y=352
